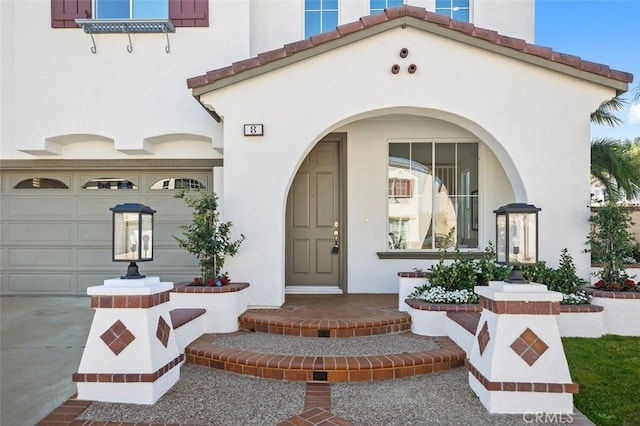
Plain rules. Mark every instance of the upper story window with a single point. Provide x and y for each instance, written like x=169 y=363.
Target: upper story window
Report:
x=182 y=13
x=377 y=6
x=41 y=183
x=132 y=9
x=432 y=194
x=455 y=9
x=320 y=16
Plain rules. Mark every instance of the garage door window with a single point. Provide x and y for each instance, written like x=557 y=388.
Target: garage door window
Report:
x=177 y=183
x=109 y=183
x=41 y=183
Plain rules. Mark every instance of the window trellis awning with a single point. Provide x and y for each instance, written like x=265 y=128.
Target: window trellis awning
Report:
x=126 y=26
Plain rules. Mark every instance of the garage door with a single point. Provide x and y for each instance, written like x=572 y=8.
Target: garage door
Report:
x=56 y=226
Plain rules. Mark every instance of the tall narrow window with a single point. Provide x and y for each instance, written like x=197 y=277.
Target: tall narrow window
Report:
x=431 y=188
x=320 y=16
x=455 y=9
x=377 y=6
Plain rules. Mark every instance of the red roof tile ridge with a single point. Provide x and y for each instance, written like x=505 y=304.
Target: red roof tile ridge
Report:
x=420 y=13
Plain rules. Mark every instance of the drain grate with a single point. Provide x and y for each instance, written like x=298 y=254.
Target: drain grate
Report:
x=320 y=376
x=324 y=333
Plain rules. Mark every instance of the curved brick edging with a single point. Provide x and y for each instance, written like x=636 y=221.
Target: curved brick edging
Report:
x=186 y=287
x=332 y=368
x=594 y=292
x=304 y=322
x=446 y=307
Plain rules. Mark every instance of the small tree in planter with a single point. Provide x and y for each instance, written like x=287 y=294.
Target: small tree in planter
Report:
x=207 y=237
x=611 y=243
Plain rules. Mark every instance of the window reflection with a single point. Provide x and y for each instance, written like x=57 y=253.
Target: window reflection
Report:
x=430 y=195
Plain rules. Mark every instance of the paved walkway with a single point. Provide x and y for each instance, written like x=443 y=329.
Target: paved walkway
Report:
x=42 y=342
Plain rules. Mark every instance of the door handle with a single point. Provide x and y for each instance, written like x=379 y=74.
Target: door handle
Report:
x=336 y=246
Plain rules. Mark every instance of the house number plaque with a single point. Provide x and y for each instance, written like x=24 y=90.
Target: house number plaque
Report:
x=253 y=130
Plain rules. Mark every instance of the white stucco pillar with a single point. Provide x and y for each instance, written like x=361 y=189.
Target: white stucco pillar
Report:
x=517 y=363
x=131 y=354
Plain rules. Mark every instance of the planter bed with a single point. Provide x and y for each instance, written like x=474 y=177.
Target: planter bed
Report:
x=430 y=319
x=223 y=304
x=581 y=321
x=408 y=282
x=621 y=314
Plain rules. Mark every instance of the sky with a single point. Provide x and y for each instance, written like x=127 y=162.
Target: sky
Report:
x=603 y=31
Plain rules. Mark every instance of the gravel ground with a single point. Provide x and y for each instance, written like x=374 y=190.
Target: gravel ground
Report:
x=314 y=346
x=206 y=396
x=435 y=399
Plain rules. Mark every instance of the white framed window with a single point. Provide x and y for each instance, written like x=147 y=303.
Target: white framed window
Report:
x=131 y=9
x=432 y=189
x=320 y=16
x=182 y=13
x=377 y=6
x=455 y=9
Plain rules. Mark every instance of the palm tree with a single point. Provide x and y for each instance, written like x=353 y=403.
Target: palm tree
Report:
x=615 y=163
x=604 y=115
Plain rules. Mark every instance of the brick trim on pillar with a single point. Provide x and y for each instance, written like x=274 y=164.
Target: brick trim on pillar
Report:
x=514 y=307
x=135 y=301
x=521 y=387
x=127 y=377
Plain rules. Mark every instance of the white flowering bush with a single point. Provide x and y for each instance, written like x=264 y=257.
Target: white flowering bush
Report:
x=438 y=294
x=577 y=298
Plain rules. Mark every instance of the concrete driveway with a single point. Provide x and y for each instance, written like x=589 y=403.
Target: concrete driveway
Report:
x=41 y=343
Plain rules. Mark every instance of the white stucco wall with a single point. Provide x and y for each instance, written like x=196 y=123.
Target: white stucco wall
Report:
x=534 y=120
x=54 y=86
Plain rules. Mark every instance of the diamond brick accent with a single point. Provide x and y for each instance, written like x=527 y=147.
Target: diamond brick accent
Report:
x=483 y=338
x=529 y=346
x=163 y=331
x=117 y=337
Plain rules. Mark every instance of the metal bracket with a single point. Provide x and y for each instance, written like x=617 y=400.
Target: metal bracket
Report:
x=130 y=45
x=128 y=26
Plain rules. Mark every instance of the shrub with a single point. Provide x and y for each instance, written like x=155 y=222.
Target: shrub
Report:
x=488 y=269
x=563 y=279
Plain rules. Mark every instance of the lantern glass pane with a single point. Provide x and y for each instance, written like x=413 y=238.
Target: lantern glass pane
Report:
x=147 y=237
x=522 y=238
x=501 y=237
x=125 y=236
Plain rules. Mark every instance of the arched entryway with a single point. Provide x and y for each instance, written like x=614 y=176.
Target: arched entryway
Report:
x=315 y=229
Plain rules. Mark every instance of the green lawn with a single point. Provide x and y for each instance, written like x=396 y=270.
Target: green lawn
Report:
x=608 y=372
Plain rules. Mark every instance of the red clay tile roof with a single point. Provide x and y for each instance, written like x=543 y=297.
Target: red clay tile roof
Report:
x=400 y=12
